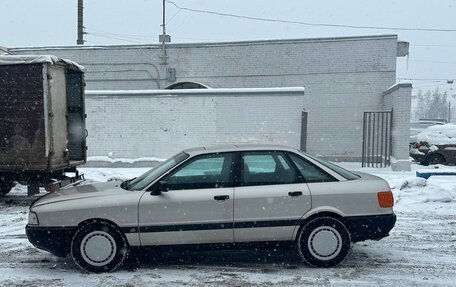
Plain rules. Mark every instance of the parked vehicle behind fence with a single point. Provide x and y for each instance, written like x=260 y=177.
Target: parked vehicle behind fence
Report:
x=435 y=145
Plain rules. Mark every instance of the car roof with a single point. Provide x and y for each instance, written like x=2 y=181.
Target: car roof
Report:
x=237 y=147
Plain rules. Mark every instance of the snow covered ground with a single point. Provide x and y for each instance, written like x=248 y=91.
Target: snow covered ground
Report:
x=421 y=250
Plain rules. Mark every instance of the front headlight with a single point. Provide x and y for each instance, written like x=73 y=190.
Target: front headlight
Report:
x=32 y=218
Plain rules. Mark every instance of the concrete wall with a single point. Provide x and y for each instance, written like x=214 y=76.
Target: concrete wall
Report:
x=343 y=77
x=161 y=123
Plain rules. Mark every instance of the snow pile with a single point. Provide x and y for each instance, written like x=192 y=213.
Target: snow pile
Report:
x=110 y=174
x=416 y=151
x=35 y=59
x=433 y=148
x=437 y=195
x=123 y=160
x=437 y=189
x=438 y=135
x=413 y=182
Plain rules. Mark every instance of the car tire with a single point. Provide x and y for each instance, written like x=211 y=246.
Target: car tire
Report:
x=323 y=242
x=435 y=159
x=99 y=247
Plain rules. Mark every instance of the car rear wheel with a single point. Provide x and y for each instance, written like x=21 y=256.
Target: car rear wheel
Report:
x=99 y=247
x=324 y=242
x=435 y=159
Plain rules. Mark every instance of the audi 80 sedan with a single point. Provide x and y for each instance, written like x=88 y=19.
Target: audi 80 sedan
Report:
x=222 y=195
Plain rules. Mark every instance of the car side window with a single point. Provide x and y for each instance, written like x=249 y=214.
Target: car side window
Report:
x=309 y=171
x=207 y=171
x=266 y=168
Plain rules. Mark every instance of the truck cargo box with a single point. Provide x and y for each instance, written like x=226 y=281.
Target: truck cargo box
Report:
x=42 y=114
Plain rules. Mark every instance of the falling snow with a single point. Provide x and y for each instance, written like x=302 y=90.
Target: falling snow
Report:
x=421 y=250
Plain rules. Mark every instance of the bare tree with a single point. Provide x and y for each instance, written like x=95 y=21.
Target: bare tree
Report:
x=432 y=105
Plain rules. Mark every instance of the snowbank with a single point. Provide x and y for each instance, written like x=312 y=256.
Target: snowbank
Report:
x=123 y=160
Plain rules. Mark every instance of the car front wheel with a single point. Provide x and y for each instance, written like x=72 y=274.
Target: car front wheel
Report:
x=99 y=247
x=324 y=242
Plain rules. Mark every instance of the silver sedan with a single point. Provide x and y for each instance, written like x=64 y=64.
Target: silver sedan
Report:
x=222 y=195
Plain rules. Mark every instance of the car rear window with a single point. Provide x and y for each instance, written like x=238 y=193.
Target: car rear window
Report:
x=334 y=167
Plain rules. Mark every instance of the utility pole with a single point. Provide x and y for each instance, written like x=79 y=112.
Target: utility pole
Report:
x=81 y=33
x=163 y=38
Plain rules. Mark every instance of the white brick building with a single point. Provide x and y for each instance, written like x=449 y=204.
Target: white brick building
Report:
x=343 y=78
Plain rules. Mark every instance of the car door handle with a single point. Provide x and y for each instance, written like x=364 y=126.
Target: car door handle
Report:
x=221 y=197
x=295 y=193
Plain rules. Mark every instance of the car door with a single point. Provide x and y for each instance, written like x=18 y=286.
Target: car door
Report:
x=270 y=198
x=196 y=206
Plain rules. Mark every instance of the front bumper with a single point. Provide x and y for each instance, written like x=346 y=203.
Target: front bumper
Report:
x=417 y=157
x=56 y=240
x=374 y=227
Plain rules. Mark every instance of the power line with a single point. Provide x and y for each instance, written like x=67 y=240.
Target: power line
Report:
x=438 y=62
x=430 y=86
x=432 y=45
x=307 y=23
x=112 y=37
x=136 y=37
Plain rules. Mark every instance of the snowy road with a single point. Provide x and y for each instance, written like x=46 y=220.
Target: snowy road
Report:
x=421 y=250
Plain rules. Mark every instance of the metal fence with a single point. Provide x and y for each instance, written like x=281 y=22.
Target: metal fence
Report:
x=377 y=138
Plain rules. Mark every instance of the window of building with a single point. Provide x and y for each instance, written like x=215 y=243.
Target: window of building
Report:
x=186 y=85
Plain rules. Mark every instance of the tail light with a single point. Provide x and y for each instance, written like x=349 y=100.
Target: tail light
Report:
x=385 y=199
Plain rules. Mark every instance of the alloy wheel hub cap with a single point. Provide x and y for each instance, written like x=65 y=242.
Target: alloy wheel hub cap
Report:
x=98 y=248
x=324 y=243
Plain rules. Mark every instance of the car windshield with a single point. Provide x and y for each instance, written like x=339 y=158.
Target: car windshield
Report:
x=145 y=179
x=341 y=171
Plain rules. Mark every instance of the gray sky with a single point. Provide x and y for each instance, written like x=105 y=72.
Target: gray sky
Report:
x=53 y=22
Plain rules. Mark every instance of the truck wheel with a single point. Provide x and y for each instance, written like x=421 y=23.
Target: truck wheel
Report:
x=5 y=186
x=435 y=159
x=324 y=242
x=99 y=247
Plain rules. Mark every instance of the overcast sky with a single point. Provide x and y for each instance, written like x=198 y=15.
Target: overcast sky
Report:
x=53 y=22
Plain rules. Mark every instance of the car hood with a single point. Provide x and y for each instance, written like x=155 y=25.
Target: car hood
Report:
x=80 y=192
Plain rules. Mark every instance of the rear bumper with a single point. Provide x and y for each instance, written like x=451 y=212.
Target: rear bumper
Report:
x=373 y=227
x=52 y=239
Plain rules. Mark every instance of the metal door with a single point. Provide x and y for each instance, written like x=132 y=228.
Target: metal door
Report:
x=191 y=216
x=76 y=115
x=197 y=208
x=270 y=202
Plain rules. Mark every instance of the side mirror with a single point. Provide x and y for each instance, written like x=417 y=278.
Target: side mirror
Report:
x=159 y=187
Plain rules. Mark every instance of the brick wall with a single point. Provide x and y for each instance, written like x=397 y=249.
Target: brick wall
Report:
x=343 y=78
x=398 y=98
x=161 y=123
